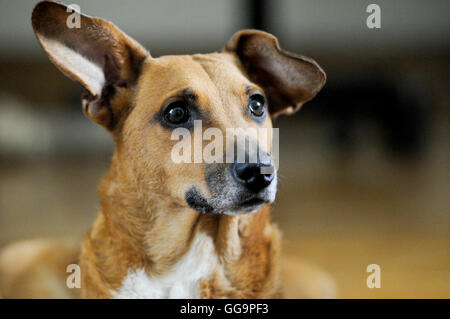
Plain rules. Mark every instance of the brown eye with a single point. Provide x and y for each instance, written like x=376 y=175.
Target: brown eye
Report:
x=177 y=112
x=257 y=105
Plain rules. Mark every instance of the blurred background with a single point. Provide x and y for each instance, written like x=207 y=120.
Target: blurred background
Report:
x=364 y=167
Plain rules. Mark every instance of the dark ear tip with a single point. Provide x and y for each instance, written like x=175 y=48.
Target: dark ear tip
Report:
x=43 y=11
x=321 y=75
x=237 y=38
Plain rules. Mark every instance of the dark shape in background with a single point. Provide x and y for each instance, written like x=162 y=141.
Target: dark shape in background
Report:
x=401 y=120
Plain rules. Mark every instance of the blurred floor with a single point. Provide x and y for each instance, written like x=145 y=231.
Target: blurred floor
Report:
x=346 y=213
x=340 y=214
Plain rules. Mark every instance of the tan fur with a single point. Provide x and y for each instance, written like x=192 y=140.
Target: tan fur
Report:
x=144 y=221
x=37 y=269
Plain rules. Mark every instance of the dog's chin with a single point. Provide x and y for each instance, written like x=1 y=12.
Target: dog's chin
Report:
x=202 y=205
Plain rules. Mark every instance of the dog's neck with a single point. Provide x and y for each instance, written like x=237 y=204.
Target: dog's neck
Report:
x=134 y=231
x=160 y=230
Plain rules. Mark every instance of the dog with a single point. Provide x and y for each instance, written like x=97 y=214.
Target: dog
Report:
x=165 y=229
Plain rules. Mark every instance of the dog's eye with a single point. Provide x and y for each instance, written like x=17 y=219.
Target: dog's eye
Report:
x=257 y=104
x=177 y=112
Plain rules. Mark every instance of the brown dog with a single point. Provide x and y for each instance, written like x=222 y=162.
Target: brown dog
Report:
x=170 y=229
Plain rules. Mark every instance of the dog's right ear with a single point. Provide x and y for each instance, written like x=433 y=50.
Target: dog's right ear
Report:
x=96 y=54
x=289 y=80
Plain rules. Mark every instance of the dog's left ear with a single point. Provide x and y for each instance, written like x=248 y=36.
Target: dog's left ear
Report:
x=288 y=80
x=96 y=54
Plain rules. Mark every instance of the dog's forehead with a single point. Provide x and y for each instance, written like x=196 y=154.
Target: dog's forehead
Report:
x=210 y=76
x=222 y=69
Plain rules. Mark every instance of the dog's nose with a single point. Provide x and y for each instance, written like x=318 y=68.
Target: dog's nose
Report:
x=250 y=175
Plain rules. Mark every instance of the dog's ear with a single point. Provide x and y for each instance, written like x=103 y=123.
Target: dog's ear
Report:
x=289 y=80
x=94 y=53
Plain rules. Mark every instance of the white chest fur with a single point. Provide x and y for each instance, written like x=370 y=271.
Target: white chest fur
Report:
x=182 y=281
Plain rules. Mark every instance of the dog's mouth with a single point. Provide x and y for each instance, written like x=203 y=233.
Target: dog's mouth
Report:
x=199 y=203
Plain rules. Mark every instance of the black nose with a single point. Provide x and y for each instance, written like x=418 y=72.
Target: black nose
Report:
x=249 y=174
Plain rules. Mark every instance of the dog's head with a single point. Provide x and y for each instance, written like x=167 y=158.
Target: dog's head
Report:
x=146 y=103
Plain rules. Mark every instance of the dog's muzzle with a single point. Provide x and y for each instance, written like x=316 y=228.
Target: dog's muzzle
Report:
x=235 y=188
